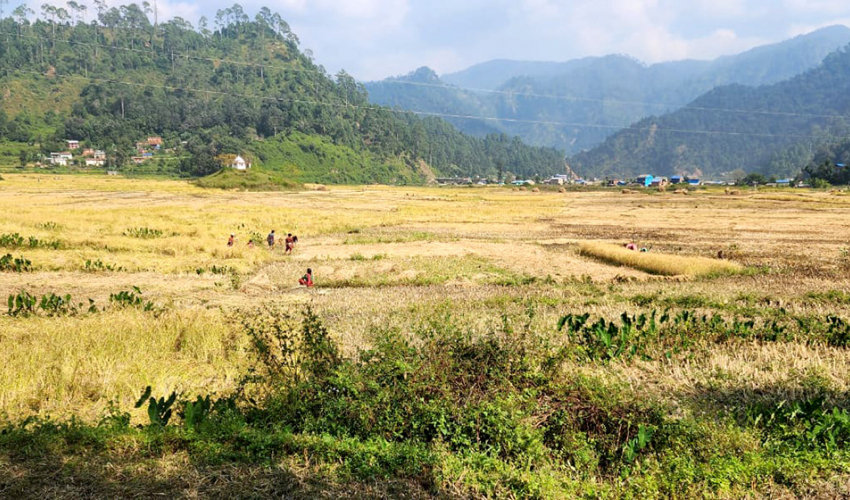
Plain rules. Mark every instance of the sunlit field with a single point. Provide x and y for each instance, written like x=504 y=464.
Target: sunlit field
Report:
x=410 y=263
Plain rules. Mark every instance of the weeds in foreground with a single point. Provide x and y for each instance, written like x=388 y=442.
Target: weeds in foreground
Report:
x=483 y=415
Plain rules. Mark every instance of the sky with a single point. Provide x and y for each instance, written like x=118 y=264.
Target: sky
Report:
x=374 y=39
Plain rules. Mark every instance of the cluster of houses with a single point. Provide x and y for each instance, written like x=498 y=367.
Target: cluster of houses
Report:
x=564 y=179
x=645 y=180
x=90 y=157
x=97 y=158
x=146 y=149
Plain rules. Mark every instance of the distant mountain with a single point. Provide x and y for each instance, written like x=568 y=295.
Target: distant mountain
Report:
x=773 y=129
x=493 y=74
x=577 y=104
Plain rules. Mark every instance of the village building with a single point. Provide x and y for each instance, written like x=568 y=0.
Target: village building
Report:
x=63 y=158
x=239 y=163
x=73 y=144
x=95 y=162
x=99 y=155
x=155 y=142
x=558 y=180
x=87 y=153
x=645 y=180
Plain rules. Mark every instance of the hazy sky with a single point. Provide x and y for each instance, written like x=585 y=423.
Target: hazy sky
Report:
x=373 y=39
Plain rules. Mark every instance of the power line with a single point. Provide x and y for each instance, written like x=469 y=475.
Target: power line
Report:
x=341 y=104
x=448 y=87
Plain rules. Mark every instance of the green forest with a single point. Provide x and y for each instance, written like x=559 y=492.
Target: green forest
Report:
x=773 y=129
x=230 y=85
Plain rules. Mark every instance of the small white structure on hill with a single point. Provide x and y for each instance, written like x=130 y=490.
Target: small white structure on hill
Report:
x=239 y=163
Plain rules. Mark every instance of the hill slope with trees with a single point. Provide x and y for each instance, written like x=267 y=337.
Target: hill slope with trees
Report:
x=244 y=87
x=577 y=104
x=771 y=129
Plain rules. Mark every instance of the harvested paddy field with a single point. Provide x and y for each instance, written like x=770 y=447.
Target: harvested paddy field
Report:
x=472 y=342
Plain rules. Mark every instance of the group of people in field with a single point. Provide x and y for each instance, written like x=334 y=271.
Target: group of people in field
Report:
x=289 y=245
x=289 y=242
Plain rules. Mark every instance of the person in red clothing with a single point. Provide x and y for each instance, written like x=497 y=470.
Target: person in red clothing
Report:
x=231 y=240
x=290 y=242
x=307 y=279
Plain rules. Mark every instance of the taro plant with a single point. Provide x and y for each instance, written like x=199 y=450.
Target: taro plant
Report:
x=22 y=304
x=195 y=412
x=99 y=265
x=131 y=298
x=16 y=265
x=143 y=233
x=159 y=410
x=55 y=305
x=13 y=240
x=47 y=226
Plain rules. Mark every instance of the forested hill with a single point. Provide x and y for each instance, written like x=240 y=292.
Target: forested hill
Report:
x=577 y=104
x=244 y=88
x=772 y=129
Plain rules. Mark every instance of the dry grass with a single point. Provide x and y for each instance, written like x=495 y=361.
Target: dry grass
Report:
x=395 y=257
x=658 y=263
x=64 y=366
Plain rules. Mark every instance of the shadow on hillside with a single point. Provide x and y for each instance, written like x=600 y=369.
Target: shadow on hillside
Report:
x=51 y=476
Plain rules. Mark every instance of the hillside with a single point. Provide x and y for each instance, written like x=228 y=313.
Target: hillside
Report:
x=772 y=129
x=245 y=89
x=577 y=104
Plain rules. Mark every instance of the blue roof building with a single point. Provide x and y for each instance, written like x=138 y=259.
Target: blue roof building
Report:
x=646 y=180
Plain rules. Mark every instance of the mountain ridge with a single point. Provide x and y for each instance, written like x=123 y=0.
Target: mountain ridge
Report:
x=772 y=129
x=578 y=106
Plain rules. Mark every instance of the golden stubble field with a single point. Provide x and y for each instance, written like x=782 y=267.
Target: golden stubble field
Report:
x=389 y=257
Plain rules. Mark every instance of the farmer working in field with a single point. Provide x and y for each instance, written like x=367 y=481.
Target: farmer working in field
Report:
x=307 y=279
x=290 y=242
x=231 y=240
x=270 y=239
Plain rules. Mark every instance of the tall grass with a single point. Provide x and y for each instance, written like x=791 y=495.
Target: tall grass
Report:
x=50 y=365
x=657 y=263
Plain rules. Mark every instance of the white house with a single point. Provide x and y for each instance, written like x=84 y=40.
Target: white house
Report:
x=95 y=162
x=239 y=163
x=73 y=144
x=63 y=158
